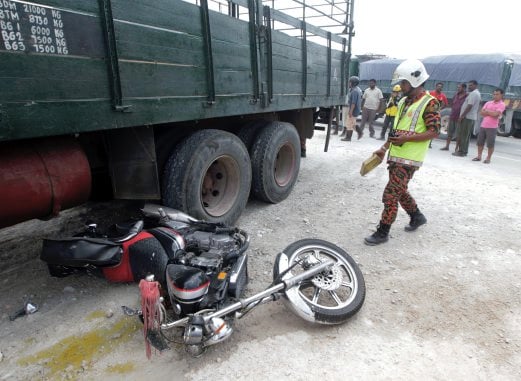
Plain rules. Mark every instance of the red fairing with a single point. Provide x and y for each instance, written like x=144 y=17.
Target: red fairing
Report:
x=123 y=271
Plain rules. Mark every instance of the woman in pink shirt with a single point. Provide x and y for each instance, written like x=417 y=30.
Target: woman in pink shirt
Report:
x=491 y=113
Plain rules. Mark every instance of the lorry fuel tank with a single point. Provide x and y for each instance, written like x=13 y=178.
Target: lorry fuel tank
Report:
x=40 y=177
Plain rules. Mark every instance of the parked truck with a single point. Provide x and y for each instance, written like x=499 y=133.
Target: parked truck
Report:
x=187 y=102
x=491 y=71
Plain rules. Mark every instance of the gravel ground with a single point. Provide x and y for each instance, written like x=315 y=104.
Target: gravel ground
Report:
x=442 y=302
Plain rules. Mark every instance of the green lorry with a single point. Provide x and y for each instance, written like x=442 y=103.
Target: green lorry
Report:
x=193 y=103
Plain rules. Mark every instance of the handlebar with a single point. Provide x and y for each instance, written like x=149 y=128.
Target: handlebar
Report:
x=133 y=231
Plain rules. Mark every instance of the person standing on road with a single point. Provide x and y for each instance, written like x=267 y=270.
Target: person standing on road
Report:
x=390 y=110
x=440 y=95
x=371 y=102
x=467 y=118
x=491 y=113
x=457 y=102
x=415 y=124
x=353 y=108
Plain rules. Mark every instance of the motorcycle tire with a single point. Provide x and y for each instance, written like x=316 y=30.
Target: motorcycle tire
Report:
x=330 y=297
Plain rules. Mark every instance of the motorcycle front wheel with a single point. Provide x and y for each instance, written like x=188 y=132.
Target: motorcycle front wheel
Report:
x=329 y=297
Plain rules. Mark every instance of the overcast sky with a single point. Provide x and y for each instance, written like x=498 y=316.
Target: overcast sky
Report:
x=419 y=28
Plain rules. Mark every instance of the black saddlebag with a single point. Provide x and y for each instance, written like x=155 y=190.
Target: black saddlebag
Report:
x=68 y=255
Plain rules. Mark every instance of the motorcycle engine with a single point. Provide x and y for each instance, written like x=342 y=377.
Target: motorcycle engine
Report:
x=203 y=264
x=209 y=250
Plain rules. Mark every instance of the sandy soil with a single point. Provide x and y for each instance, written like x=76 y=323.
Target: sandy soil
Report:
x=442 y=303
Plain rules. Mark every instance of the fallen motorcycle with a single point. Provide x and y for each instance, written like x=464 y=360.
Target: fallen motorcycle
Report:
x=192 y=275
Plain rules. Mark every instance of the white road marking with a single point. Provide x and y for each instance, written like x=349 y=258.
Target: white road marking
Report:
x=506 y=158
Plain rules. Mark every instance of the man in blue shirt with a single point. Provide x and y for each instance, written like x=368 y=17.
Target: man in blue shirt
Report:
x=353 y=108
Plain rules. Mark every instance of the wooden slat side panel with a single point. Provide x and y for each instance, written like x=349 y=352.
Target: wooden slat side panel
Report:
x=287 y=82
x=162 y=14
x=287 y=64
x=166 y=58
x=167 y=81
x=41 y=78
x=158 y=80
x=147 y=44
x=232 y=82
x=226 y=28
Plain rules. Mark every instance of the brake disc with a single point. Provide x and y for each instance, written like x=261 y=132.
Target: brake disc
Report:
x=329 y=280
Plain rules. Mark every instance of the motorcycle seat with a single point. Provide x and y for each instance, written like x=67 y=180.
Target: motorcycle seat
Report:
x=81 y=252
x=88 y=251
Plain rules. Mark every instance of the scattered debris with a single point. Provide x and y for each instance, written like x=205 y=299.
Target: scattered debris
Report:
x=28 y=309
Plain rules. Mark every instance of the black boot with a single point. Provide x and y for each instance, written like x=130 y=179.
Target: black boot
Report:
x=343 y=132
x=381 y=235
x=348 y=136
x=360 y=132
x=335 y=130
x=417 y=220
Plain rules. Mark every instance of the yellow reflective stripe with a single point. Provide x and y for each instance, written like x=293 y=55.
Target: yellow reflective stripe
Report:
x=417 y=112
x=401 y=160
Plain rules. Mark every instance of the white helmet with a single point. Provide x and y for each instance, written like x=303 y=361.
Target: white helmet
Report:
x=412 y=71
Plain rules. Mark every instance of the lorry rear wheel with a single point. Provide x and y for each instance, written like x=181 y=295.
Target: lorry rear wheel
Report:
x=516 y=128
x=249 y=131
x=501 y=128
x=208 y=175
x=444 y=122
x=275 y=158
x=501 y=131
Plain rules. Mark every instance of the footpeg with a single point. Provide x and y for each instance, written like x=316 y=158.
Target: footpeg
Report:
x=156 y=340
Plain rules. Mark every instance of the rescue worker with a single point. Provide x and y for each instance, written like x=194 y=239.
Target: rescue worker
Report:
x=390 y=110
x=417 y=122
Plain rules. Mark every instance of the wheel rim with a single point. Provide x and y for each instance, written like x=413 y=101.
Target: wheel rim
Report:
x=220 y=186
x=284 y=165
x=326 y=290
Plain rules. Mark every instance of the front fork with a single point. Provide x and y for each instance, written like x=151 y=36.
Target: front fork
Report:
x=209 y=327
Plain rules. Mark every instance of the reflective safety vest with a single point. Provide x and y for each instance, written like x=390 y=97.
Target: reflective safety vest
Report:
x=391 y=107
x=410 y=122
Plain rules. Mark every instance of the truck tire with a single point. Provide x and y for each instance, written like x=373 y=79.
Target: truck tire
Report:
x=275 y=160
x=249 y=132
x=208 y=176
x=501 y=128
x=501 y=131
x=516 y=128
x=444 y=122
